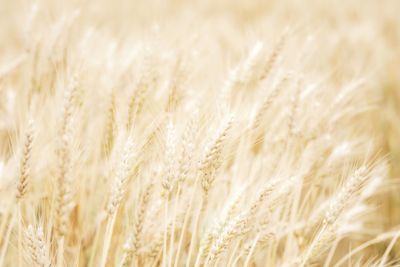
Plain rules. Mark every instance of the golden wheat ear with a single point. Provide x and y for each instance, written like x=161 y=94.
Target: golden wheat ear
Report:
x=25 y=162
x=37 y=249
x=134 y=242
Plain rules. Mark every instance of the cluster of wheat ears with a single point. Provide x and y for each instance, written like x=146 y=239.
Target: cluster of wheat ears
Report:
x=200 y=133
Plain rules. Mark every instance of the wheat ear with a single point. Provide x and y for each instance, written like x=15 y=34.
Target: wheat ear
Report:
x=273 y=57
x=185 y=163
x=234 y=228
x=208 y=170
x=340 y=202
x=37 y=248
x=63 y=200
x=212 y=158
x=109 y=134
x=117 y=194
x=133 y=243
x=137 y=100
x=24 y=165
x=244 y=72
x=23 y=183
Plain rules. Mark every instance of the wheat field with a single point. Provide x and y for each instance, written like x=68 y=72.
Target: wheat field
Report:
x=199 y=133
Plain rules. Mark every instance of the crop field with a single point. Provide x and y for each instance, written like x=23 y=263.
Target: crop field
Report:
x=199 y=133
